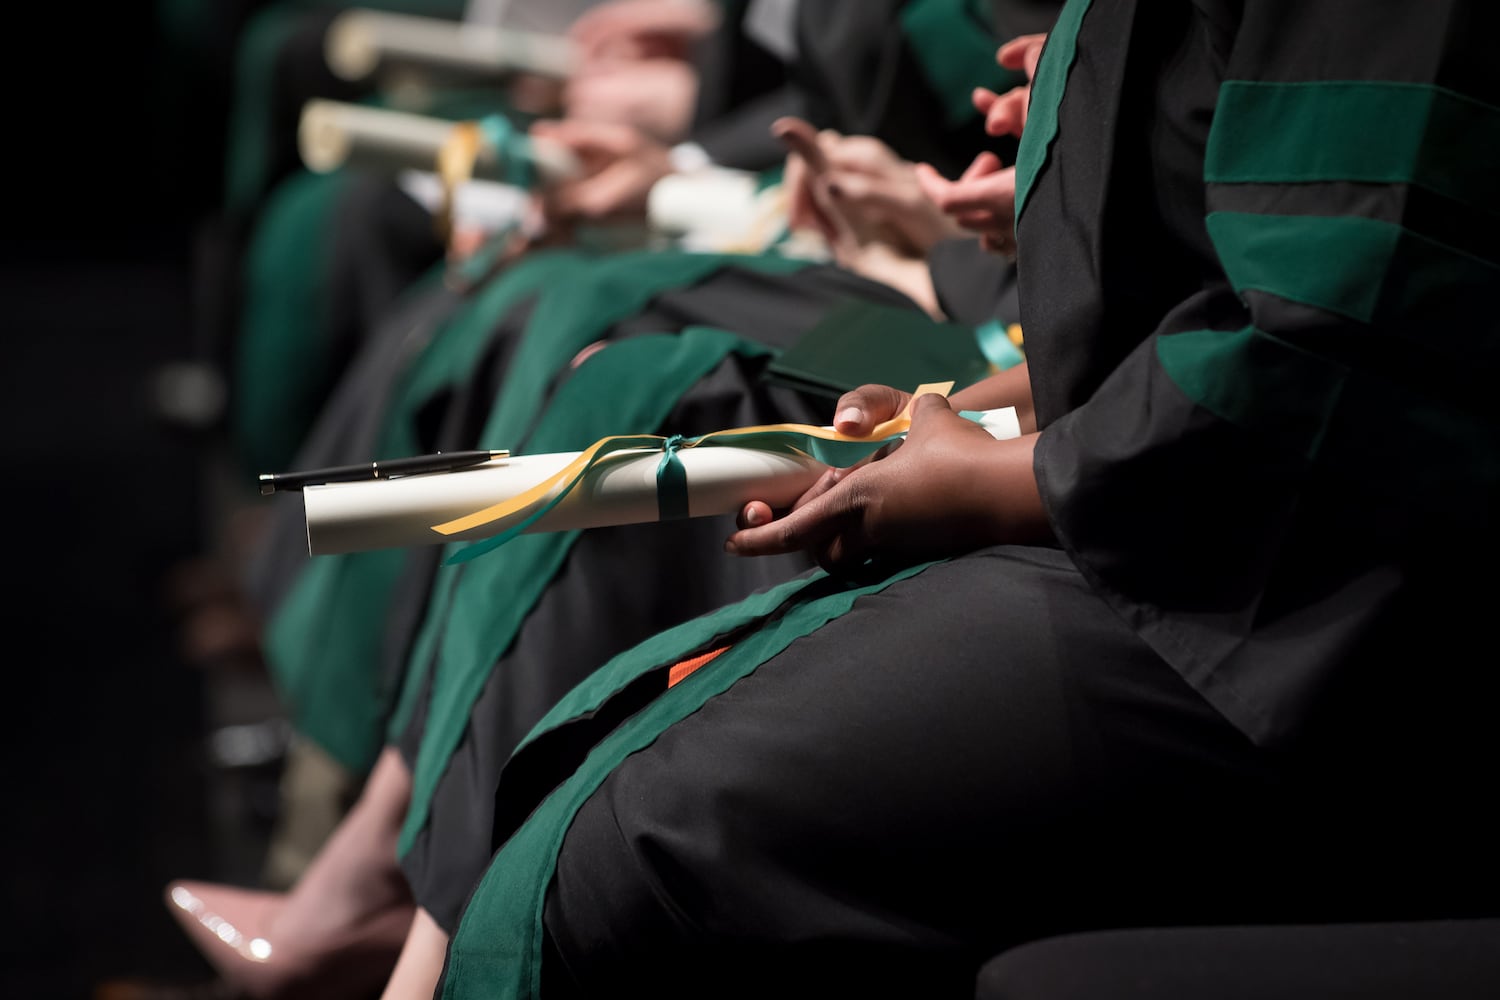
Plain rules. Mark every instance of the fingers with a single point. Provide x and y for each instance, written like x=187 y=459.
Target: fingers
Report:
x=932 y=183
x=828 y=149
x=755 y=514
x=861 y=410
x=801 y=138
x=1007 y=113
x=634 y=26
x=588 y=138
x=1022 y=52
x=993 y=191
x=812 y=527
x=800 y=211
x=928 y=407
x=860 y=153
x=842 y=237
x=984 y=164
x=805 y=165
x=999 y=242
x=614 y=190
x=983 y=200
x=1013 y=52
x=866 y=191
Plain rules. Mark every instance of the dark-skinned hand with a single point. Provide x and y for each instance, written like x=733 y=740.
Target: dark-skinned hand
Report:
x=948 y=488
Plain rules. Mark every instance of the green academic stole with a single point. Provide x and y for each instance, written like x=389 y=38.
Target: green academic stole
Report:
x=1046 y=94
x=477 y=608
x=496 y=952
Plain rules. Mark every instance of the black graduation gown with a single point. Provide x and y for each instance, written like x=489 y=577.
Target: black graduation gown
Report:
x=803 y=299
x=1237 y=691
x=446 y=853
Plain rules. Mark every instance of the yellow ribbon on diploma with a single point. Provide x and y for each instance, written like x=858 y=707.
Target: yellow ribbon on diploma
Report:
x=767 y=433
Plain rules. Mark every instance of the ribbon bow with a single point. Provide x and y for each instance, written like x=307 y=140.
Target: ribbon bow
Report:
x=467 y=141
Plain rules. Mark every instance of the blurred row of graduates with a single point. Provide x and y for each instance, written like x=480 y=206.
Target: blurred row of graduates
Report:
x=373 y=311
x=763 y=205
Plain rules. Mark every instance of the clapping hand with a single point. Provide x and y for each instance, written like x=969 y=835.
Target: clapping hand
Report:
x=983 y=199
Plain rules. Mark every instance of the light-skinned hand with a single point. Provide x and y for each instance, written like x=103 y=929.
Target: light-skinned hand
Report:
x=657 y=96
x=982 y=200
x=620 y=165
x=623 y=30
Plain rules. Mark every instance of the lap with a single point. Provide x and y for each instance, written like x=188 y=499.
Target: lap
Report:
x=948 y=765
x=616 y=587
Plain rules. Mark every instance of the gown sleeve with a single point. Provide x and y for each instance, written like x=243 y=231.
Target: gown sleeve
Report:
x=1294 y=452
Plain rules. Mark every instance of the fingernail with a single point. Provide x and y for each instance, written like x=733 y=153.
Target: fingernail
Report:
x=752 y=516
x=850 y=415
x=729 y=546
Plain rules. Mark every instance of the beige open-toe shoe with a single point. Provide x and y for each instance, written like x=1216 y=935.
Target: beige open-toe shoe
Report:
x=235 y=929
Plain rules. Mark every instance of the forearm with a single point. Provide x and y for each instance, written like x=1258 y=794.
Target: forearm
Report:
x=1011 y=387
x=950 y=488
x=1003 y=504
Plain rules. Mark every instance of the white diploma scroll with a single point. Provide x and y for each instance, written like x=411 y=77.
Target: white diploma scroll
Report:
x=709 y=204
x=620 y=489
x=360 y=42
x=334 y=134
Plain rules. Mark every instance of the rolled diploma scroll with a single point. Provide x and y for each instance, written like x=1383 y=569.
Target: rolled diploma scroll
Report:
x=712 y=200
x=620 y=489
x=360 y=41
x=333 y=134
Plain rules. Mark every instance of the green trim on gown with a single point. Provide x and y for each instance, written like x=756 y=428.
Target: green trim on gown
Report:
x=324 y=638
x=496 y=953
x=267 y=32
x=468 y=626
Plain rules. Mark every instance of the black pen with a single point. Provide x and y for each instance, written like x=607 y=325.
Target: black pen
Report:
x=443 y=461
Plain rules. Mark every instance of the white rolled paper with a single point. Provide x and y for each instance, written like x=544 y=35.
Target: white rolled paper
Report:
x=334 y=134
x=487 y=205
x=359 y=42
x=713 y=200
x=619 y=489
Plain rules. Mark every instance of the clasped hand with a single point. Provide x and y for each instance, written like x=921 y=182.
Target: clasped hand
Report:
x=948 y=488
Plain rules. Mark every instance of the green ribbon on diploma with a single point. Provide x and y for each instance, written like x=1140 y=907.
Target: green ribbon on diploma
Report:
x=822 y=444
x=1000 y=344
x=512 y=147
x=671 y=482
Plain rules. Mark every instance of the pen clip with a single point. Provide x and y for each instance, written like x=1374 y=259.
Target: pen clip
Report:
x=400 y=468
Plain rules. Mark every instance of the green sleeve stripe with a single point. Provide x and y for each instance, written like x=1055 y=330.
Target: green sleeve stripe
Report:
x=1365 y=269
x=1046 y=94
x=955 y=51
x=1392 y=133
x=1232 y=374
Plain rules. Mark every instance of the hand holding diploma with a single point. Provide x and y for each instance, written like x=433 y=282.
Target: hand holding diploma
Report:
x=619 y=166
x=619 y=480
x=948 y=488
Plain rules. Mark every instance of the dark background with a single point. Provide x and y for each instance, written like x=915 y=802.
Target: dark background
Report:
x=114 y=165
